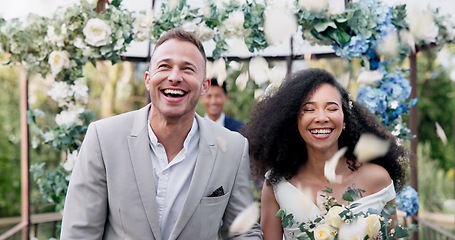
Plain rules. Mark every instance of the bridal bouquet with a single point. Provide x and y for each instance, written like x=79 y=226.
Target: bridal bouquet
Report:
x=343 y=222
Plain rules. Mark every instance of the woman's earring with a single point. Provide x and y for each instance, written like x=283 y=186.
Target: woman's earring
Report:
x=344 y=127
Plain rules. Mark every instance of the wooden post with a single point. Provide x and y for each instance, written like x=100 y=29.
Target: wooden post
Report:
x=25 y=174
x=413 y=125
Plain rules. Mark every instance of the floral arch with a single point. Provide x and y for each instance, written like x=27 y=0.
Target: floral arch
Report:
x=381 y=36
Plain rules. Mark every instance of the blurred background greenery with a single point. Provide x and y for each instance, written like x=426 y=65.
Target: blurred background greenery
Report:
x=120 y=88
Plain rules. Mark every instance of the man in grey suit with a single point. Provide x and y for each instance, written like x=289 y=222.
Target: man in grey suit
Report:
x=161 y=172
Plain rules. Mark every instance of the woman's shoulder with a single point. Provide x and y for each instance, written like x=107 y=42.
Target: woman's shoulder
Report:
x=373 y=177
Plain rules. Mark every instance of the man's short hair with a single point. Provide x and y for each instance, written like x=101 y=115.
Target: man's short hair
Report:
x=214 y=82
x=182 y=35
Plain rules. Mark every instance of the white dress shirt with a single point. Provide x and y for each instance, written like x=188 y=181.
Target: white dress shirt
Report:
x=220 y=120
x=172 y=179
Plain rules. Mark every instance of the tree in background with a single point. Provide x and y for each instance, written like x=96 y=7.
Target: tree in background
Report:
x=10 y=181
x=436 y=94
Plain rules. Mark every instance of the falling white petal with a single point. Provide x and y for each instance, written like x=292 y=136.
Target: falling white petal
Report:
x=369 y=77
x=277 y=73
x=219 y=70
x=259 y=94
x=354 y=230
x=336 y=7
x=388 y=46
x=449 y=205
x=370 y=147
x=441 y=134
x=313 y=5
x=242 y=80
x=421 y=23
x=274 y=21
x=331 y=165
x=271 y=89
x=209 y=71
x=221 y=144
x=406 y=37
x=258 y=69
x=234 y=65
x=238 y=47
x=245 y=220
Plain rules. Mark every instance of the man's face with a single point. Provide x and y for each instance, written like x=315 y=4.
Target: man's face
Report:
x=214 y=101
x=176 y=79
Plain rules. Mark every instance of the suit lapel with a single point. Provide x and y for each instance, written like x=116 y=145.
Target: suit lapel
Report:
x=204 y=164
x=138 y=144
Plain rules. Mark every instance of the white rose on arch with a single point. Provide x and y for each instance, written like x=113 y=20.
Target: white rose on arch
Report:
x=58 y=60
x=97 y=32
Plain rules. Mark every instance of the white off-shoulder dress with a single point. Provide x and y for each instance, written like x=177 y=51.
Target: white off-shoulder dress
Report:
x=294 y=201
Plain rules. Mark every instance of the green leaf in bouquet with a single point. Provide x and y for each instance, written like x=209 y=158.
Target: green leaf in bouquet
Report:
x=322 y=26
x=281 y=213
x=400 y=232
x=350 y=195
x=328 y=190
x=288 y=220
x=354 y=205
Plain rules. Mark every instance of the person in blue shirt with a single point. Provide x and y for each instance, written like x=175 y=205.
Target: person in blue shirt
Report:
x=213 y=103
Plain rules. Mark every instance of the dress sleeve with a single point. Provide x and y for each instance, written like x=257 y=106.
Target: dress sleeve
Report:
x=376 y=200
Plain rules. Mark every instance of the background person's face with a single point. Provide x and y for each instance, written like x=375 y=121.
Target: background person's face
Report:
x=214 y=101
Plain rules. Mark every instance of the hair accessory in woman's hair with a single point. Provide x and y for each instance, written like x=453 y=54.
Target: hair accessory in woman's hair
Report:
x=350 y=102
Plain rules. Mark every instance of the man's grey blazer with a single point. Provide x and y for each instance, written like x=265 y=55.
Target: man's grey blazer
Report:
x=111 y=192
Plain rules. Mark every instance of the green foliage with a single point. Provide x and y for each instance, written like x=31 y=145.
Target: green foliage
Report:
x=435 y=185
x=254 y=20
x=53 y=185
x=436 y=93
x=9 y=144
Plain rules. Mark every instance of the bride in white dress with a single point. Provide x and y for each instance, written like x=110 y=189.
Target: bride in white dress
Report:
x=294 y=132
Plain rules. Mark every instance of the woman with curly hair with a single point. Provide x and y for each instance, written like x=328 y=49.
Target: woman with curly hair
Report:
x=296 y=130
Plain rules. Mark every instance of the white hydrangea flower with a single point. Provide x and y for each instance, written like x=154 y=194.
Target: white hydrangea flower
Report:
x=282 y=4
x=54 y=38
x=233 y=25
x=61 y=93
x=49 y=136
x=72 y=107
x=80 y=91
x=204 y=33
x=58 y=60
x=70 y=160
x=97 y=32
x=79 y=43
x=66 y=118
x=141 y=26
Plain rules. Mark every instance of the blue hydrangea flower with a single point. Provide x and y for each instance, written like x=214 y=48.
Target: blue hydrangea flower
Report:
x=354 y=49
x=408 y=200
x=397 y=87
x=372 y=98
